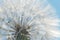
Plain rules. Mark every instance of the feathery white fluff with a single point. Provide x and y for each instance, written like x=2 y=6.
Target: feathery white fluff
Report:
x=39 y=15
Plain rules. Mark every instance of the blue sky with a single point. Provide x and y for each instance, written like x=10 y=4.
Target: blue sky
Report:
x=56 y=5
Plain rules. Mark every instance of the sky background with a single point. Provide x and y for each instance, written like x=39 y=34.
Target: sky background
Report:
x=56 y=5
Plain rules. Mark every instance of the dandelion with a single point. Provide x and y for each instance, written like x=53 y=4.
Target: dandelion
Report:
x=27 y=20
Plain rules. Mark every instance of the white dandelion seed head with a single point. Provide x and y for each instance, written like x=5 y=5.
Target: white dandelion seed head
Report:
x=38 y=17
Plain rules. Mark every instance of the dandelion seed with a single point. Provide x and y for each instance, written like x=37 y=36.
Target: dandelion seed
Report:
x=27 y=20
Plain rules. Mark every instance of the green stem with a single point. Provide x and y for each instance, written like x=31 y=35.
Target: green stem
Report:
x=22 y=37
